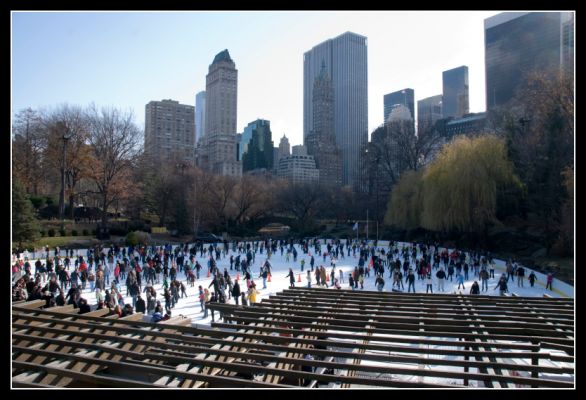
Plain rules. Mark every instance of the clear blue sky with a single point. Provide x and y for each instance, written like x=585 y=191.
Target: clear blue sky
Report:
x=128 y=59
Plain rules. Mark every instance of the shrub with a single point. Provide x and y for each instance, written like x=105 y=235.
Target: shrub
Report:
x=51 y=232
x=38 y=201
x=73 y=232
x=43 y=233
x=94 y=232
x=61 y=232
x=85 y=232
x=118 y=231
x=137 y=237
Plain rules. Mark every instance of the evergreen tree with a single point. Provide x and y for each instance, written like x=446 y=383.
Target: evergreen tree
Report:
x=24 y=224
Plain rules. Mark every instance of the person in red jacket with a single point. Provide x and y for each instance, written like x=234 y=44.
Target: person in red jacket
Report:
x=117 y=272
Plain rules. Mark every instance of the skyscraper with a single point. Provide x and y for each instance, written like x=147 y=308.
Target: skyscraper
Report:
x=321 y=142
x=284 y=148
x=568 y=43
x=429 y=110
x=405 y=97
x=259 y=149
x=169 y=131
x=455 y=92
x=219 y=149
x=345 y=59
x=200 y=115
x=519 y=43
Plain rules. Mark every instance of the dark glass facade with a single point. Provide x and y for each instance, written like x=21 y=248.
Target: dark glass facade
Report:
x=259 y=152
x=455 y=92
x=405 y=97
x=514 y=48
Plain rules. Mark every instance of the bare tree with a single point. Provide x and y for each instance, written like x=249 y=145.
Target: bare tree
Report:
x=248 y=198
x=114 y=138
x=27 y=148
x=301 y=200
x=77 y=162
x=395 y=148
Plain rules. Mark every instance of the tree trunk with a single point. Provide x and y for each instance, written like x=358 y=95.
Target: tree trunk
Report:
x=71 y=206
x=105 y=209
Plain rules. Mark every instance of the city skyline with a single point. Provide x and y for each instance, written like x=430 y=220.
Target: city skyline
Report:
x=83 y=63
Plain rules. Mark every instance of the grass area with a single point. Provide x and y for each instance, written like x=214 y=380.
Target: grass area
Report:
x=60 y=241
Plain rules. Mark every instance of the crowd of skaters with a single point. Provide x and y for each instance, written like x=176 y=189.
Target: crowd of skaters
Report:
x=62 y=275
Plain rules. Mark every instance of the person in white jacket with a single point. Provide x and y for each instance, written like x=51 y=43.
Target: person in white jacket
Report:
x=429 y=282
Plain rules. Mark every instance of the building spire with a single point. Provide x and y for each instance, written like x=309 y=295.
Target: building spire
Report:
x=323 y=73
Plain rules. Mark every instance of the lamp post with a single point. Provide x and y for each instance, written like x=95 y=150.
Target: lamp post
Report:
x=65 y=136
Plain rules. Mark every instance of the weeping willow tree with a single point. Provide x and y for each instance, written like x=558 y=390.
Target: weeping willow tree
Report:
x=461 y=186
x=406 y=201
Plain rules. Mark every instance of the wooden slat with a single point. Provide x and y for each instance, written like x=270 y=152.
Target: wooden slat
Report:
x=342 y=329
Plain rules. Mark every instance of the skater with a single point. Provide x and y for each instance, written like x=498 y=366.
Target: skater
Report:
x=201 y=298
x=549 y=281
x=460 y=280
x=441 y=276
x=502 y=285
x=252 y=292
x=291 y=277
x=308 y=279
x=411 y=280
x=380 y=283
x=341 y=274
x=520 y=276
x=532 y=278
x=264 y=275
x=236 y=292
x=483 y=275
x=475 y=289
x=429 y=283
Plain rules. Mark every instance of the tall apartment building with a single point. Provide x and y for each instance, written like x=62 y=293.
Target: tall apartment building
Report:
x=519 y=43
x=200 y=116
x=321 y=142
x=455 y=100
x=345 y=59
x=219 y=150
x=169 y=131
